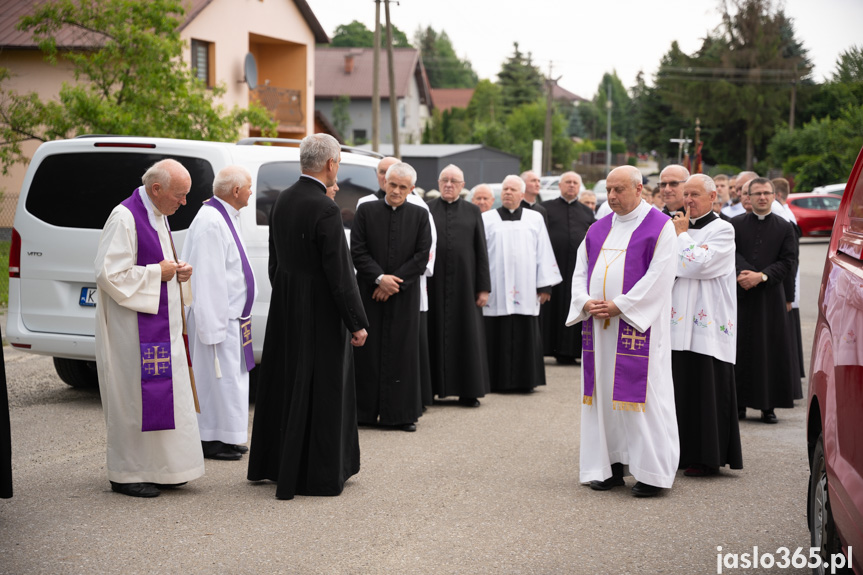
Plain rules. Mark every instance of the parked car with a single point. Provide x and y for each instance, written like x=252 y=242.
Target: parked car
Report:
x=815 y=213
x=549 y=182
x=835 y=400
x=60 y=216
x=835 y=189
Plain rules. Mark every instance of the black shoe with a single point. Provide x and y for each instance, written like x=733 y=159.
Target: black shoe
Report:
x=564 y=360
x=607 y=484
x=644 y=490
x=768 y=416
x=239 y=448
x=407 y=427
x=136 y=489
x=741 y=414
x=170 y=485
x=219 y=450
x=468 y=401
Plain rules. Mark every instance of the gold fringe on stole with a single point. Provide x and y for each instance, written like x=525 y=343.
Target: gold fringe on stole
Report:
x=628 y=406
x=588 y=400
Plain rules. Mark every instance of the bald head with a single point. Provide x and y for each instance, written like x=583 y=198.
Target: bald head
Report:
x=167 y=183
x=671 y=181
x=531 y=185
x=624 y=189
x=383 y=166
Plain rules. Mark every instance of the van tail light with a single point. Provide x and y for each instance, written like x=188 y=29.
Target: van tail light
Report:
x=15 y=255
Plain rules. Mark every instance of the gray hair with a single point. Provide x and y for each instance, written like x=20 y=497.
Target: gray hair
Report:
x=402 y=170
x=675 y=166
x=521 y=184
x=229 y=178
x=576 y=174
x=707 y=182
x=453 y=167
x=158 y=173
x=315 y=150
x=584 y=193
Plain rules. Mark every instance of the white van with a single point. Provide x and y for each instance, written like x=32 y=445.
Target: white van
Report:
x=71 y=187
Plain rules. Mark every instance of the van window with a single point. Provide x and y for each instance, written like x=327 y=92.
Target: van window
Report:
x=79 y=190
x=355 y=181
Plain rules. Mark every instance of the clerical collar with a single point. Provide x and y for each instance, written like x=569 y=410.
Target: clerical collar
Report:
x=231 y=209
x=760 y=217
x=531 y=204
x=631 y=215
x=701 y=221
x=509 y=215
x=315 y=179
x=570 y=202
x=453 y=201
x=668 y=212
x=387 y=202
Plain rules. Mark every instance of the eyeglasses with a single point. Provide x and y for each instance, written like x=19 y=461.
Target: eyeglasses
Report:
x=672 y=184
x=450 y=181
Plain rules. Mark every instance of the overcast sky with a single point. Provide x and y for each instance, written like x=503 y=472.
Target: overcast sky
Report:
x=582 y=39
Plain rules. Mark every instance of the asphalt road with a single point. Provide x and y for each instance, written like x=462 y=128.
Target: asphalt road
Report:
x=492 y=490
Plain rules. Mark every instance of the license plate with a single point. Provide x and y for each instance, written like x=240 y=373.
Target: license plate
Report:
x=88 y=297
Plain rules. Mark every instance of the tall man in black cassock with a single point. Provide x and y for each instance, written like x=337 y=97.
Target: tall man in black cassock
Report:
x=765 y=256
x=390 y=245
x=531 y=199
x=304 y=435
x=568 y=220
x=457 y=293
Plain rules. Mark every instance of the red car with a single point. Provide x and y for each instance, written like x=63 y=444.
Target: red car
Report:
x=834 y=417
x=815 y=213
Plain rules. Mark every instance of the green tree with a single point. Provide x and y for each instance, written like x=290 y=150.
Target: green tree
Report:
x=519 y=80
x=342 y=116
x=622 y=126
x=849 y=67
x=527 y=123
x=356 y=35
x=443 y=66
x=741 y=76
x=486 y=104
x=132 y=81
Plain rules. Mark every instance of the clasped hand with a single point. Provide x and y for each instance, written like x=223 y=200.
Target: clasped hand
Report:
x=601 y=309
x=389 y=286
x=183 y=270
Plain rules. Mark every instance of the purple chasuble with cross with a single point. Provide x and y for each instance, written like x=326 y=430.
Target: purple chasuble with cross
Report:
x=246 y=319
x=632 y=355
x=154 y=330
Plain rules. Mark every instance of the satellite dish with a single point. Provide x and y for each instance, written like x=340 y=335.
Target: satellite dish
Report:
x=250 y=71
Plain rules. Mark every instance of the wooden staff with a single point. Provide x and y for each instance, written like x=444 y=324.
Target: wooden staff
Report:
x=185 y=331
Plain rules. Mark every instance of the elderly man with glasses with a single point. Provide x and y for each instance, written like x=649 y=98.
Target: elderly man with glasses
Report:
x=671 y=181
x=457 y=293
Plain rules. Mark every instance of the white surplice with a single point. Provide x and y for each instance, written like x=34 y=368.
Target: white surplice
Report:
x=166 y=456
x=704 y=299
x=417 y=201
x=645 y=441
x=520 y=260
x=219 y=285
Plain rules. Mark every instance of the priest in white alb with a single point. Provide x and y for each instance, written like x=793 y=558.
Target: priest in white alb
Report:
x=621 y=291
x=704 y=334
x=220 y=330
x=147 y=395
x=523 y=270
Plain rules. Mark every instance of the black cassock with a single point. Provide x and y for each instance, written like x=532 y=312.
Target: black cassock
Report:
x=456 y=330
x=5 y=436
x=763 y=369
x=567 y=226
x=538 y=207
x=304 y=434
x=396 y=242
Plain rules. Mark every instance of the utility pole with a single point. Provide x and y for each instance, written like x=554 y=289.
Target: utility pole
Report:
x=394 y=116
x=608 y=127
x=376 y=82
x=549 y=103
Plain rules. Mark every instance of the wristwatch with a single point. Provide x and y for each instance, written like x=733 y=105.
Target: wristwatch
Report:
x=763 y=277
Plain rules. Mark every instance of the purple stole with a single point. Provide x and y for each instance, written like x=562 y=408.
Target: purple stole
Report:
x=633 y=347
x=154 y=330
x=246 y=319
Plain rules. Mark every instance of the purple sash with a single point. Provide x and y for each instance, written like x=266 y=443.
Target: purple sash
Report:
x=633 y=347
x=246 y=319
x=154 y=331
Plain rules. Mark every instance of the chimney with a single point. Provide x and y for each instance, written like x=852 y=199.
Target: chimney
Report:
x=349 y=62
